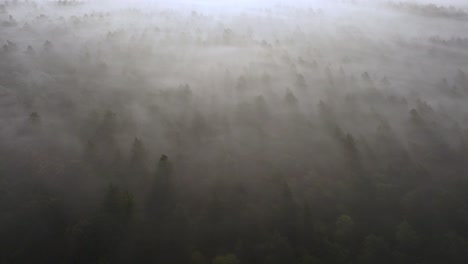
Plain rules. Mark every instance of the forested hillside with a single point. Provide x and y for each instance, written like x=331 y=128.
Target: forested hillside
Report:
x=320 y=132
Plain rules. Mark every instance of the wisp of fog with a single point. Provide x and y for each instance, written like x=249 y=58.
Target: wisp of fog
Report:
x=227 y=132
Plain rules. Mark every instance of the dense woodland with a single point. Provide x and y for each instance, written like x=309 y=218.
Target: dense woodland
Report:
x=329 y=133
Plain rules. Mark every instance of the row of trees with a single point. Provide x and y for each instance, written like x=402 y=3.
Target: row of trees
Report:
x=377 y=201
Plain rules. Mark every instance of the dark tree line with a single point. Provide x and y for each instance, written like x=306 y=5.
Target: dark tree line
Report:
x=385 y=204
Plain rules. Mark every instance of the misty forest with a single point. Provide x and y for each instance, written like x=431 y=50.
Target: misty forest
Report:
x=234 y=132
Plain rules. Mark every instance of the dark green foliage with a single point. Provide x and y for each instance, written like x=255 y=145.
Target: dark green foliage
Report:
x=96 y=238
x=198 y=258
x=226 y=259
x=355 y=211
x=344 y=228
x=375 y=250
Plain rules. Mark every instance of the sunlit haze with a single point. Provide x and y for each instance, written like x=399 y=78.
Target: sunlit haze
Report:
x=234 y=132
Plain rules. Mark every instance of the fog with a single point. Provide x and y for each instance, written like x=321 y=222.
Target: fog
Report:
x=208 y=131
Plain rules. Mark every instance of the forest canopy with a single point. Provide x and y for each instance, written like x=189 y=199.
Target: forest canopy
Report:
x=222 y=132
